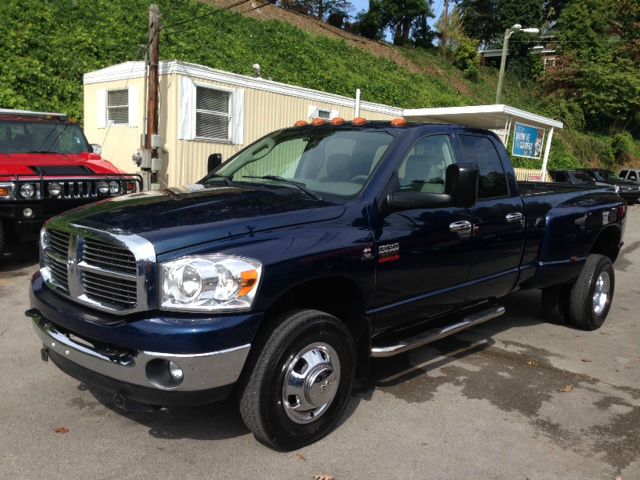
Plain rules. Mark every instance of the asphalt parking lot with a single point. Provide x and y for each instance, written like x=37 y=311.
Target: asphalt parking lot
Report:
x=517 y=398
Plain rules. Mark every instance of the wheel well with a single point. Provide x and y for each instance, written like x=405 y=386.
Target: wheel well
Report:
x=337 y=296
x=607 y=243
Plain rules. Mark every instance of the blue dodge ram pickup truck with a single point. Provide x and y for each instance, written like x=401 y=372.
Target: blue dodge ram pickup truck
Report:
x=280 y=274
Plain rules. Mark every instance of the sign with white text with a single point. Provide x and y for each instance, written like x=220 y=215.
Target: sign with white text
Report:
x=527 y=141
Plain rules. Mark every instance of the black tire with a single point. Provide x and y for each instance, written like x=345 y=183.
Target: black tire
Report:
x=263 y=406
x=584 y=312
x=555 y=303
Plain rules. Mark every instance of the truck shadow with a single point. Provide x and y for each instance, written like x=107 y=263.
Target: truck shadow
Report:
x=411 y=370
x=18 y=257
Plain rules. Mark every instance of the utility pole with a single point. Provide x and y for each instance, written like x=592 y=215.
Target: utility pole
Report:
x=152 y=99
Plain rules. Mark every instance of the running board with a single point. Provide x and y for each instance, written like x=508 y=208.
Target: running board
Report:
x=406 y=344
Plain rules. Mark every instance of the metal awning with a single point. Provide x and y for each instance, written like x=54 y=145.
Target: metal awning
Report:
x=498 y=118
x=491 y=117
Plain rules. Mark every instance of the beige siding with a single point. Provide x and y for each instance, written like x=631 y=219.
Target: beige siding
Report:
x=185 y=161
x=525 y=174
x=119 y=142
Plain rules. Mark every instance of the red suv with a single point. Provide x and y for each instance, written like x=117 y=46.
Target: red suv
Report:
x=46 y=167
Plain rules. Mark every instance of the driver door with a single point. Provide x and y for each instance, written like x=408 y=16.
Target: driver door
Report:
x=423 y=255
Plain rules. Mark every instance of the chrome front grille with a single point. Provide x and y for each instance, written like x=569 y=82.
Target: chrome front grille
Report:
x=111 y=272
x=109 y=256
x=113 y=291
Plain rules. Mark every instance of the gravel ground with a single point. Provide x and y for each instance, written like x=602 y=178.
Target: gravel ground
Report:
x=516 y=398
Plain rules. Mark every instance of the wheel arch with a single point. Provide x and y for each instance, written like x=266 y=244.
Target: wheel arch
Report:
x=607 y=242
x=337 y=295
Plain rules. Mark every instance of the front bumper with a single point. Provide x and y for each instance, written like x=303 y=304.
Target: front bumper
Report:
x=130 y=356
x=138 y=374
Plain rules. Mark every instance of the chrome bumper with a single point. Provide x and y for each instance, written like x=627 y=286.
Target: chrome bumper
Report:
x=201 y=371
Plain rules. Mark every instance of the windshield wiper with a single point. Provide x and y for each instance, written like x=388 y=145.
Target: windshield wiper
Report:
x=277 y=178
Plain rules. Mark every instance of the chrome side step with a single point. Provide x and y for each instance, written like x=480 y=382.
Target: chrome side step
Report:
x=406 y=344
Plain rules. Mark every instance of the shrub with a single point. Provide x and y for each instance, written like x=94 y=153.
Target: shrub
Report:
x=466 y=58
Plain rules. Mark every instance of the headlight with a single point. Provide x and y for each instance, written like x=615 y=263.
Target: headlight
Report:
x=209 y=283
x=114 y=187
x=54 y=189
x=103 y=187
x=27 y=190
x=616 y=188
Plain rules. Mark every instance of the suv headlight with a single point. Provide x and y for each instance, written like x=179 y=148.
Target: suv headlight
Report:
x=616 y=188
x=27 y=190
x=209 y=283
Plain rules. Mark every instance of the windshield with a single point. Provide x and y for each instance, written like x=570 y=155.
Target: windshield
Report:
x=323 y=161
x=41 y=137
x=607 y=176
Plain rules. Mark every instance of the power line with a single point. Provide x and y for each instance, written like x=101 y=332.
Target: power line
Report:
x=213 y=11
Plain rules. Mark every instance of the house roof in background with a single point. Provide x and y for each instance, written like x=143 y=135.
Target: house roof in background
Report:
x=132 y=70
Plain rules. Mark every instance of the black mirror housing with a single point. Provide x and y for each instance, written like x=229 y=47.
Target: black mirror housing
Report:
x=462 y=183
x=214 y=161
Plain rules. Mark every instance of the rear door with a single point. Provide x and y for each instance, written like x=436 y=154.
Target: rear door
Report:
x=498 y=218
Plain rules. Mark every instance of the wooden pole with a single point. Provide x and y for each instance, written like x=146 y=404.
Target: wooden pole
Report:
x=153 y=80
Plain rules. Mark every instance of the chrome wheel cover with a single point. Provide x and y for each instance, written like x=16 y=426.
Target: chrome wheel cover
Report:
x=601 y=293
x=311 y=381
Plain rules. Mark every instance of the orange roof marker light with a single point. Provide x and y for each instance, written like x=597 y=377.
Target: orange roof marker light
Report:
x=318 y=121
x=300 y=123
x=338 y=121
x=398 y=122
x=359 y=121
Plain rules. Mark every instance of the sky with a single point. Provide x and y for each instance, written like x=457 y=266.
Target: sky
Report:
x=438 y=6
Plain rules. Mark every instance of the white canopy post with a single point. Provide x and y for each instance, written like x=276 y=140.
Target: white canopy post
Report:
x=357 y=104
x=545 y=159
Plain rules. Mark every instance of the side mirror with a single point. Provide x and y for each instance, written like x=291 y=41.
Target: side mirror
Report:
x=95 y=148
x=214 y=161
x=461 y=190
x=462 y=183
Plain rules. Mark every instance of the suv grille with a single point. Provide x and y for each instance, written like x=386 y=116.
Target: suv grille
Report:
x=101 y=272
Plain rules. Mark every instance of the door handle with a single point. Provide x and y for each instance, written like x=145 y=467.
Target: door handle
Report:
x=514 y=217
x=461 y=226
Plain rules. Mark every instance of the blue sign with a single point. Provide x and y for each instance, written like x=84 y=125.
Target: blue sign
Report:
x=527 y=141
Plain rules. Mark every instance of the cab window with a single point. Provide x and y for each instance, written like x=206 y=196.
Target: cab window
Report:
x=480 y=150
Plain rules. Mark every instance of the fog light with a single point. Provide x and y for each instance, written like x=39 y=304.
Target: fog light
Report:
x=54 y=189
x=175 y=371
x=27 y=212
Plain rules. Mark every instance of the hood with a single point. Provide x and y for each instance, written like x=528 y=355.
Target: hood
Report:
x=177 y=218
x=29 y=163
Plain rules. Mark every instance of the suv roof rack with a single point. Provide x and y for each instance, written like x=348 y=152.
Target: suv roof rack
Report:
x=28 y=113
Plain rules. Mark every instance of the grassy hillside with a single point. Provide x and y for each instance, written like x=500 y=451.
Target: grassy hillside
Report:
x=48 y=45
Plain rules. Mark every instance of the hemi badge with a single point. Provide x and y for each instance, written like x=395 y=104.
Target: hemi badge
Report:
x=389 y=252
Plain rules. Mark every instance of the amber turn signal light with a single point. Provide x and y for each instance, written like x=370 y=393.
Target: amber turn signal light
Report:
x=398 y=122
x=4 y=192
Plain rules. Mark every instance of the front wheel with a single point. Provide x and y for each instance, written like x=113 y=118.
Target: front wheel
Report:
x=590 y=297
x=298 y=386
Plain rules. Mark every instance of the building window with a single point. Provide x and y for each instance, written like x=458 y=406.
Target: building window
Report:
x=118 y=107
x=213 y=114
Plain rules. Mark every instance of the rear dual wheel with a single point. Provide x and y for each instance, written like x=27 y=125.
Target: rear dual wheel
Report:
x=300 y=381
x=586 y=303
